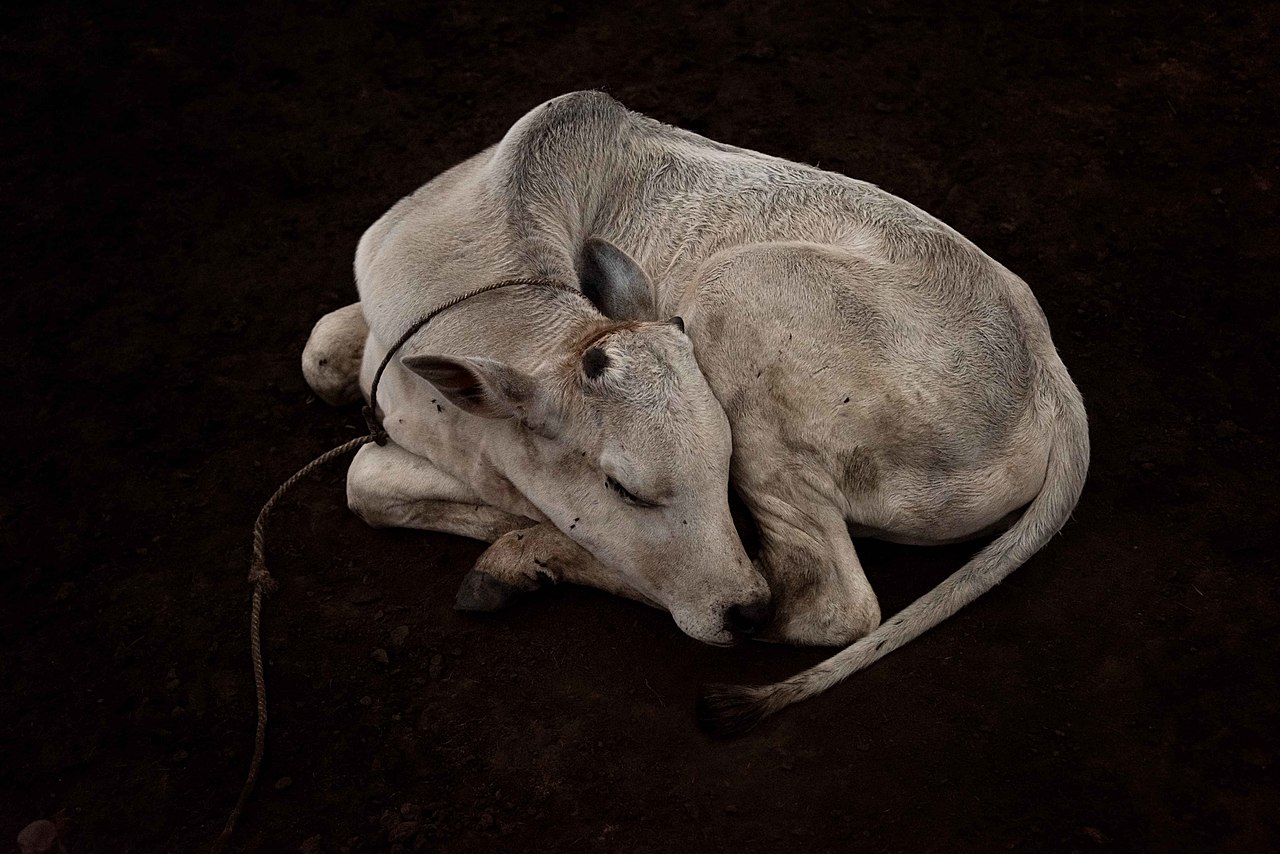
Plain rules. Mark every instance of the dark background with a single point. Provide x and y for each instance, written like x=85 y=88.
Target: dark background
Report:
x=183 y=189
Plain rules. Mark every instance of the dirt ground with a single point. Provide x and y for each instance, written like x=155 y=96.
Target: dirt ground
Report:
x=183 y=189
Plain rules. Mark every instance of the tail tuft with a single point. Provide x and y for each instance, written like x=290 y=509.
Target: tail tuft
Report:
x=732 y=710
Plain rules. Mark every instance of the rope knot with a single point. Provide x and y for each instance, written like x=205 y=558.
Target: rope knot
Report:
x=374 y=423
x=260 y=578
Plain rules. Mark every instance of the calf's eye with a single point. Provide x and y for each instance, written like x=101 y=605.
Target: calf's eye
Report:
x=625 y=494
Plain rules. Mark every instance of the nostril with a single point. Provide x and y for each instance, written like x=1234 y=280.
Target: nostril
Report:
x=748 y=619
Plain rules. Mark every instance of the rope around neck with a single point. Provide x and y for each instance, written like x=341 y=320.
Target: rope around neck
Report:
x=371 y=416
x=260 y=577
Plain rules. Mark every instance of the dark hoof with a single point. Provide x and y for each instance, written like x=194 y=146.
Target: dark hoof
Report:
x=480 y=591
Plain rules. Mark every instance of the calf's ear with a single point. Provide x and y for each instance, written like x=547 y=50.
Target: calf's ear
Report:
x=615 y=283
x=487 y=388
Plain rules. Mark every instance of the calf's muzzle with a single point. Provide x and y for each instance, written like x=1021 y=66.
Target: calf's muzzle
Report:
x=746 y=620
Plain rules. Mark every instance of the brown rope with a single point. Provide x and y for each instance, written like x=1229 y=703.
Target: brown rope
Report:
x=263 y=585
x=371 y=416
x=260 y=577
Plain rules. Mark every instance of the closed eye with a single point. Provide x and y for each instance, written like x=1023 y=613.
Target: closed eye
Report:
x=627 y=496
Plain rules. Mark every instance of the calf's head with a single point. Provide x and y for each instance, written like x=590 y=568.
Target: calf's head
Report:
x=621 y=444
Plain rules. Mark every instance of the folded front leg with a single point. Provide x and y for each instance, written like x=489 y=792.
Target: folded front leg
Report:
x=522 y=561
x=389 y=487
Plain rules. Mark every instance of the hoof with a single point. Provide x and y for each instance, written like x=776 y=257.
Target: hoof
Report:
x=480 y=591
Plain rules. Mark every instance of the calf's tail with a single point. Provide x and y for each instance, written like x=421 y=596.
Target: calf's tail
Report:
x=734 y=709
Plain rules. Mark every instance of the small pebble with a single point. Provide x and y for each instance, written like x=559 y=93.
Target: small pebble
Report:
x=379 y=655
x=283 y=783
x=399 y=635
x=39 y=837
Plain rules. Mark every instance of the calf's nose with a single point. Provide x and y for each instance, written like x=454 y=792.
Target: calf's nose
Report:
x=748 y=619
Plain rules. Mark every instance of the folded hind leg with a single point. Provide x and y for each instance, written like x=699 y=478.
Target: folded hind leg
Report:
x=821 y=595
x=331 y=359
x=791 y=367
